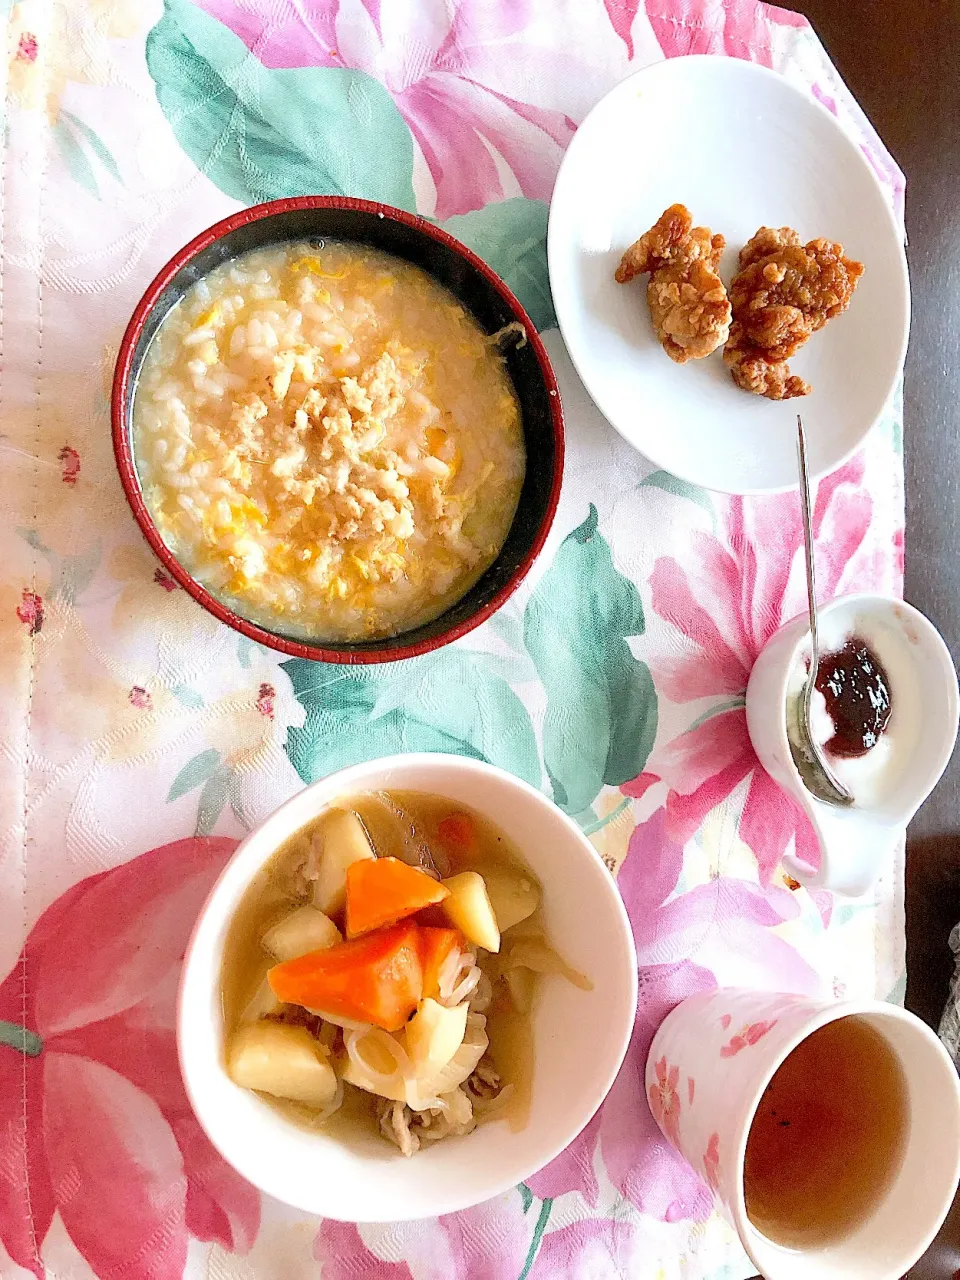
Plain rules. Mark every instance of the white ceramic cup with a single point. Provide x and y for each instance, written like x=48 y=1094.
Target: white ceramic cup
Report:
x=856 y=843
x=708 y=1067
x=580 y=1037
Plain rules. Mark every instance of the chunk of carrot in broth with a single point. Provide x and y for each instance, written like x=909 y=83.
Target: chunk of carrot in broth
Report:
x=385 y=890
x=435 y=946
x=376 y=978
x=457 y=832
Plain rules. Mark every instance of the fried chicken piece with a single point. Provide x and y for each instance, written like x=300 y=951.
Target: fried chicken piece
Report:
x=688 y=303
x=783 y=292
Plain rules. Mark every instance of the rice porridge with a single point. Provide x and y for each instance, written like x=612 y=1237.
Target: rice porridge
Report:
x=327 y=441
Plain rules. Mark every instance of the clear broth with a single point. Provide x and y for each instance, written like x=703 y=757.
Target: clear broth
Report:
x=827 y=1139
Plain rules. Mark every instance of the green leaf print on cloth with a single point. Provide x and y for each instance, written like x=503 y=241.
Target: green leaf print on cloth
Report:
x=680 y=489
x=449 y=701
x=512 y=237
x=260 y=134
x=194 y=773
x=213 y=777
x=601 y=716
x=73 y=138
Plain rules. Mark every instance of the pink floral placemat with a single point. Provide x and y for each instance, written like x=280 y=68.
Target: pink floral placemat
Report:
x=141 y=739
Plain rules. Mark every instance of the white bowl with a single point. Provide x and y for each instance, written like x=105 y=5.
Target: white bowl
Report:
x=856 y=843
x=580 y=1037
x=742 y=148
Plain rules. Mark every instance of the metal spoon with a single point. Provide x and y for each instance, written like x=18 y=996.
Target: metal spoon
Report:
x=834 y=792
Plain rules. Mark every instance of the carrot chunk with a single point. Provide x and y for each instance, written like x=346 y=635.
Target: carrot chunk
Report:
x=376 y=978
x=384 y=890
x=456 y=831
x=435 y=946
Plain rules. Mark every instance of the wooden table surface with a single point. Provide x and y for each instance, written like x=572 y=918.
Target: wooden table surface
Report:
x=901 y=59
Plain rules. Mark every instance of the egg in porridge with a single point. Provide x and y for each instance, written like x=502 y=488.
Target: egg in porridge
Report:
x=328 y=441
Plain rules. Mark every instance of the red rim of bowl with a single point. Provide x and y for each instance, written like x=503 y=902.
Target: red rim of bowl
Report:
x=128 y=476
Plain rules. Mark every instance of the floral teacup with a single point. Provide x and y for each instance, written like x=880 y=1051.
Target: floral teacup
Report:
x=707 y=1070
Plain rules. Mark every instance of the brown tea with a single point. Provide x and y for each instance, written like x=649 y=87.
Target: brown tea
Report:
x=827 y=1138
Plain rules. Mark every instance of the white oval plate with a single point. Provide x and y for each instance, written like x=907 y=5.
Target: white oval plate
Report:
x=742 y=148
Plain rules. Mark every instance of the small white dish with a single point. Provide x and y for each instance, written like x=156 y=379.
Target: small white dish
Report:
x=580 y=1037
x=742 y=148
x=856 y=842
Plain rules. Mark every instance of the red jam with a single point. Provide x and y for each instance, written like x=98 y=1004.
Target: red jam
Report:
x=855 y=688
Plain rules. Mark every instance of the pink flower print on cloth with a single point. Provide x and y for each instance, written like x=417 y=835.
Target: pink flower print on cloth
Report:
x=94 y=1121
x=745 y=1037
x=30 y=611
x=491 y=1240
x=266 y=696
x=664 y=1099
x=593 y=1247
x=682 y=939
x=738 y=28
x=732 y=592
x=726 y=926
x=711 y=1162
x=639 y=1161
x=70 y=459
x=443 y=66
x=499 y=1240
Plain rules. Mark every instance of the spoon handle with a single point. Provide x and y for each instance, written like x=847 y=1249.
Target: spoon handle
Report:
x=808 y=550
x=837 y=792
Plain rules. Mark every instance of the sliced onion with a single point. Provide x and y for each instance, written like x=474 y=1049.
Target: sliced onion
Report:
x=378 y=1080
x=327 y=1035
x=463 y=987
x=536 y=955
x=262 y=1002
x=335 y=1103
x=417 y=1101
x=458 y=976
x=348 y=1024
x=464 y=1062
x=452 y=1116
x=456 y=1106
x=482 y=994
x=302 y=868
x=449 y=972
x=312 y=870
x=490 y=1108
x=512 y=330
